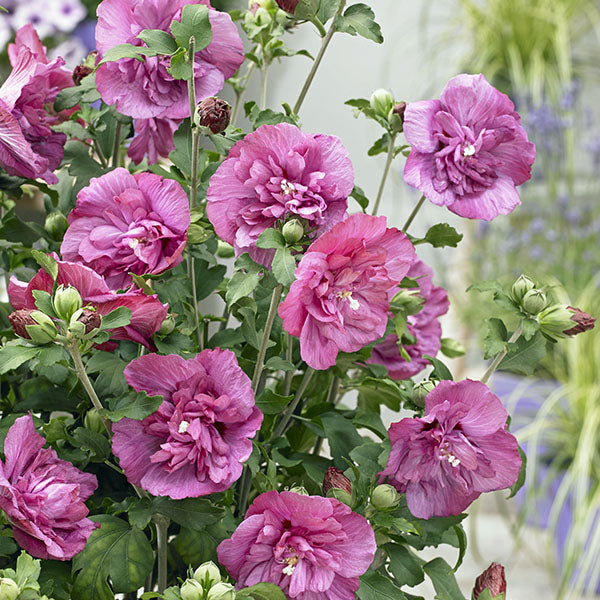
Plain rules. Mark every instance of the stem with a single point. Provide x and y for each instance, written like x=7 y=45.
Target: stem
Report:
x=192 y=81
x=263 y=87
x=116 y=146
x=162 y=526
x=386 y=170
x=513 y=338
x=245 y=486
x=324 y=44
x=315 y=21
x=101 y=157
x=289 y=375
x=331 y=399
x=413 y=214
x=239 y=94
x=289 y=411
x=225 y=316
x=73 y=349
x=265 y=340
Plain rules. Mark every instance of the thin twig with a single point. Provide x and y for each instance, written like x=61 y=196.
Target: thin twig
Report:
x=289 y=411
x=413 y=214
x=386 y=170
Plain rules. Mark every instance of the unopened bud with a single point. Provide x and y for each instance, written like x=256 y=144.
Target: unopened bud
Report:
x=93 y=421
x=167 y=325
x=289 y=6
x=212 y=115
x=420 y=391
x=293 y=231
x=341 y=495
x=409 y=301
x=225 y=250
x=79 y=72
x=399 y=110
x=207 y=573
x=262 y=17
x=396 y=116
x=191 y=590
x=56 y=224
x=556 y=319
x=299 y=489
x=221 y=591
x=9 y=590
x=520 y=287
x=382 y=102
x=19 y=319
x=385 y=496
x=534 y=301
x=334 y=478
x=493 y=580
x=91 y=319
x=66 y=301
x=583 y=322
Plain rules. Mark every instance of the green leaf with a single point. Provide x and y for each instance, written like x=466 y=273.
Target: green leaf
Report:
x=452 y=348
x=48 y=263
x=264 y=591
x=518 y=484
x=358 y=194
x=12 y=357
x=96 y=443
x=120 y=317
x=495 y=339
x=43 y=302
x=133 y=405
x=374 y=586
x=194 y=22
x=406 y=567
x=84 y=92
x=441 y=235
x=126 y=51
x=524 y=355
x=442 y=577
x=158 y=40
x=194 y=513
x=342 y=436
x=271 y=403
x=380 y=146
x=116 y=551
x=284 y=265
x=306 y=9
x=276 y=363
x=440 y=370
x=271 y=238
x=360 y=19
x=28 y=571
x=245 y=279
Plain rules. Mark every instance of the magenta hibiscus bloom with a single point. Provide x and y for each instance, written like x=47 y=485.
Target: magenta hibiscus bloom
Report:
x=339 y=300
x=458 y=450
x=196 y=442
x=124 y=223
x=147 y=312
x=153 y=138
x=469 y=151
x=29 y=147
x=43 y=496
x=424 y=327
x=145 y=89
x=314 y=548
x=275 y=173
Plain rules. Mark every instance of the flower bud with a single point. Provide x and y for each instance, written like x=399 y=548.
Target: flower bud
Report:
x=556 y=319
x=520 y=287
x=399 y=110
x=385 y=496
x=293 y=231
x=289 y=6
x=9 y=590
x=334 y=478
x=420 y=391
x=33 y=325
x=213 y=114
x=19 y=319
x=493 y=580
x=167 y=325
x=534 y=301
x=396 y=116
x=583 y=322
x=221 y=591
x=225 y=250
x=191 y=590
x=79 y=72
x=382 y=102
x=208 y=573
x=91 y=319
x=93 y=421
x=410 y=302
x=56 y=223
x=299 y=489
x=341 y=495
x=66 y=301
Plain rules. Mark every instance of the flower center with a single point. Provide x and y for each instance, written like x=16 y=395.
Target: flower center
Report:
x=290 y=562
x=287 y=188
x=445 y=454
x=183 y=426
x=347 y=295
x=468 y=150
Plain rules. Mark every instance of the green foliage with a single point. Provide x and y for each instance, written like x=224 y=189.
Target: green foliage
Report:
x=359 y=19
x=194 y=23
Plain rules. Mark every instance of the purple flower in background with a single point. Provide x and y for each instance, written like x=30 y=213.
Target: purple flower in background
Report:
x=196 y=442
x=43 y=496
x=469 y=151
x=124 y=223
x=459 y=449
x=274 y=173
x=424 y=326
x=29 y=147
x=313 y=548
x=153 y=138
x=145 y=89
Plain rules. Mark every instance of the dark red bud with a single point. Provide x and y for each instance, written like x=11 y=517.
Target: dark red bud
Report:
x=19 y=320
x=79 y=72
x=213 y=113
x=288 y=5
x=491 y=579
x=90 y=318
x=334 y=478
x=583 y=322
x=399 y=109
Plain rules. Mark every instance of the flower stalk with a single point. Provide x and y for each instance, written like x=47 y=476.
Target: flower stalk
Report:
x=413 y=214
x=386 y=170
x=498 y=358
x=162 y=526
x=289 y=411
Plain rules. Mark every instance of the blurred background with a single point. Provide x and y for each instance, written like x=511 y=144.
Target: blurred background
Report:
x=545 y=54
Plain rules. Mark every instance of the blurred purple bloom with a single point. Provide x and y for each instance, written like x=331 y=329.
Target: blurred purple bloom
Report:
x=153 y=138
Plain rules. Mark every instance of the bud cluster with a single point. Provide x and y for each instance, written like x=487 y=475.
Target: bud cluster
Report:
x=527 y=296
x=205 y=584
x=385 y=107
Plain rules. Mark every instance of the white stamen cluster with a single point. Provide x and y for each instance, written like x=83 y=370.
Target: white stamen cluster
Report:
x=353 y=302
x=183 y=426
x=469 y=150
x=287 y=188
